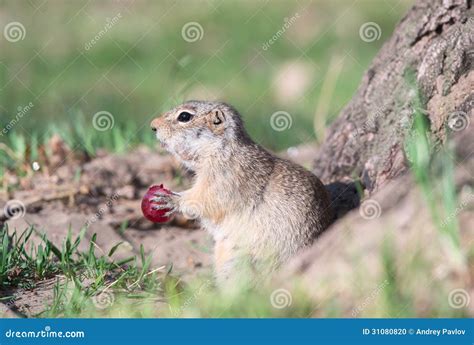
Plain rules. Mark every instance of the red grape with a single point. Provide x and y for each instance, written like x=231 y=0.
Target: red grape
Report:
x=156 y=216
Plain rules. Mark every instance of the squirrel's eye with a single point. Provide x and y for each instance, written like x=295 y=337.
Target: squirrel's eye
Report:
x=184 y=116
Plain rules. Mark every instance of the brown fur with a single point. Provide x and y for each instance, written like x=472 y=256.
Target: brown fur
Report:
x=255 y=205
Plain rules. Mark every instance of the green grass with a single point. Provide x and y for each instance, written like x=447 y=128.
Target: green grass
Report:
x=24 y=265
x=68 y=85
x=140 y=291
x=20 y=266
x=132 y=288
x=432 y=166
x=143 y=66
x=127 y=288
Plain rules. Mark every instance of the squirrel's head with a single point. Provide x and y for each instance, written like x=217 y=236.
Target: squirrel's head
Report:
x=198 y=129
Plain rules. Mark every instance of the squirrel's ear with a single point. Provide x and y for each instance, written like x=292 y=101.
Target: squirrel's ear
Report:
x=216 y=120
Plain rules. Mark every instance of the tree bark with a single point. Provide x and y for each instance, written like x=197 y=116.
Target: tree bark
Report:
x=433 y=45
x=426 y=68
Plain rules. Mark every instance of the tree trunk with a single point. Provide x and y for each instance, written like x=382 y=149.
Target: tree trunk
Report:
x=368 y=262
x=426 y=66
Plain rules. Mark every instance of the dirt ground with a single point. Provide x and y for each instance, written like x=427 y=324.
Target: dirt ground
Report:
x=104 y=194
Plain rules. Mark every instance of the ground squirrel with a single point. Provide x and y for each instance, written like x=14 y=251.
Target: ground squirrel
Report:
x=255 y=205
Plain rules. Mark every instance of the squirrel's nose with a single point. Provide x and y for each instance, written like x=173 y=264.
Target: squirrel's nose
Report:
x=155 y=124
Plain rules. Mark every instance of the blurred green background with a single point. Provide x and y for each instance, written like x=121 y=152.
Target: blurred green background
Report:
x=142 y=63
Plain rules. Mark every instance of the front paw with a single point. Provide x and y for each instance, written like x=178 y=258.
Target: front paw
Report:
x=165 y=201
